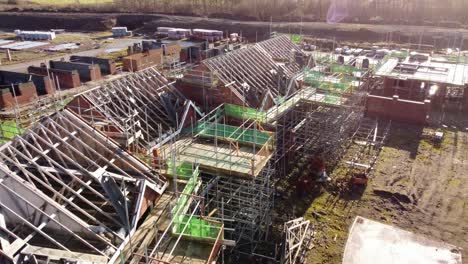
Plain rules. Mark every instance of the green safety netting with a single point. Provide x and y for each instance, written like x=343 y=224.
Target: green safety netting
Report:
x=347 y=79
x=184 y=170
x=341 y=84
x=461 y=59
x=341 y=87
x=323 y=58
x=8 y=130
x=241 y=112
x=332 y=99
x=241 y=135
x=337 y=68
x=313 y=78
x=188 y=190
x=195 y=228
x=296 y=38
x=280 y=100
x=399 y=55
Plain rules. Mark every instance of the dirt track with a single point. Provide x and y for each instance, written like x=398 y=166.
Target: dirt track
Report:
x=442 y=37
x=421 y=187
x=415 y=186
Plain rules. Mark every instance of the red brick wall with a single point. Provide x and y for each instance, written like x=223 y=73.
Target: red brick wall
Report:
x=66 y=79
x=149 y=198
x=173 y=50
x=80 y=105
x=397 y=109
x=113 y=67
x=412 y=88
x=184 y=55
x=27 y=94
x=49 y=85
x=95 y=73
x=141 y=61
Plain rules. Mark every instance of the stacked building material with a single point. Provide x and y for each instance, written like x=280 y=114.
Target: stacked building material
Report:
x=121 y=32
x=35 y=35
x=208 y=35
x=179 y=33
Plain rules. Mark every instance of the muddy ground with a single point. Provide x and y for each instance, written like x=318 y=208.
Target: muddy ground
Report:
x=416 y=185
x=254 y=30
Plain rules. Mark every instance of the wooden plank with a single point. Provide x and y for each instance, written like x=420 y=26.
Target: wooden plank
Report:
x=159 y=217
x=56 y=254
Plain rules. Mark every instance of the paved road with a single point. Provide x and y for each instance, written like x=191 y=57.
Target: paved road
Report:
x=116 y=44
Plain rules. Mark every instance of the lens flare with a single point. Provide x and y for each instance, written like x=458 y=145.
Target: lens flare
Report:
x=337 y=12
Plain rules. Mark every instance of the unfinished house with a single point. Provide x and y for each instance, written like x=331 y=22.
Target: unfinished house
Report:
x=12 y=95
x=69 y=193
x=256 y=76
x=20 y=88
x=317 y=120
x=170 y=50
x=139 y=61
x=63 y=79
x=238 y=150
x=140 y=111
x=408 y=88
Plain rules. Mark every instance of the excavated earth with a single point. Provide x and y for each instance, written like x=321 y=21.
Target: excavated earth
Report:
x=254 y=30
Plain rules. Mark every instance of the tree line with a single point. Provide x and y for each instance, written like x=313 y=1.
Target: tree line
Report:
x=421 y=11
x=448 y=12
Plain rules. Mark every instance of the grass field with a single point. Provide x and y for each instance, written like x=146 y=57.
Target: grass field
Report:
x=71 y=38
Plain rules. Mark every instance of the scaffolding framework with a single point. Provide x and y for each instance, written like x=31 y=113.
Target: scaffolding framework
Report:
x=235 y=168
x=221 y=167
x=256 y=75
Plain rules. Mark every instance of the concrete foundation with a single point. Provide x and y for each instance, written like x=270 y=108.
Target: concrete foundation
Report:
x=373 y=242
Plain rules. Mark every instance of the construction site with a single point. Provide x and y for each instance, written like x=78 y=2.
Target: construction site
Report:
x=200 y=146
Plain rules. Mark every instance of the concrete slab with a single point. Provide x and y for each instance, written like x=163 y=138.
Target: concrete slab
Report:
x=4 y=41
x=372 y=242
x=24 y=45
x=65 y=46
